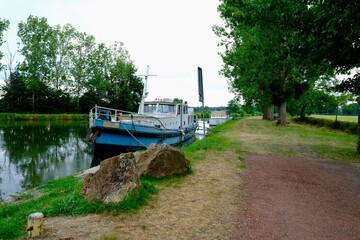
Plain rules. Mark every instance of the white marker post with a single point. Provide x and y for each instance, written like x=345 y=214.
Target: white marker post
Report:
x=201 y=99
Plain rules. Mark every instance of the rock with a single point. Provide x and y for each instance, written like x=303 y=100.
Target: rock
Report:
x=118 y=176
x=115 y=179
x=161 y=160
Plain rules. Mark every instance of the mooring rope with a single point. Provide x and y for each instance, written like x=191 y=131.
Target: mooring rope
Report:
x=133 y=135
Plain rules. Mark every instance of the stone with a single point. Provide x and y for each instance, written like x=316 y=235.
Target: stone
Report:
x=161 y=160
x=113 y=181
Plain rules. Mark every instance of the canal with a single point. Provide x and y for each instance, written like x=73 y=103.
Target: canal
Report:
x=33 y=152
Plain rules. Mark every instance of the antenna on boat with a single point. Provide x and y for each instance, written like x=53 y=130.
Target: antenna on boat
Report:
x=141 y=107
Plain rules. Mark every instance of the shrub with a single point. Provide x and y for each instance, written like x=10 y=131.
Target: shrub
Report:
x=348 y=127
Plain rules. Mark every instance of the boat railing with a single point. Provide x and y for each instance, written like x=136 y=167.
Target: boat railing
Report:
x=116 y=115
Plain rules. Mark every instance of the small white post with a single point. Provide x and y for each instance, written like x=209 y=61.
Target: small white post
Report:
x=35 y=225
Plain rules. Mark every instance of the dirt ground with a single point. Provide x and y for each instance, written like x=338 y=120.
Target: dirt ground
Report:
x=273 y=198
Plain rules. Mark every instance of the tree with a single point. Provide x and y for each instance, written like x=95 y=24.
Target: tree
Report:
x=233 y=106
x=335 y=38
x=81 y=66
x=126 y=88
x=63 y=44
x=4 y=25
x=265 y=52
x=16 y=97
x=37 y=40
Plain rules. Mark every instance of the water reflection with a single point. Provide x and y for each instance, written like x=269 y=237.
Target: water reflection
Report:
x=34 y=152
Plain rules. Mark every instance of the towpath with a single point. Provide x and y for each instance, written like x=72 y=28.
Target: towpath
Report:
x=272 y=198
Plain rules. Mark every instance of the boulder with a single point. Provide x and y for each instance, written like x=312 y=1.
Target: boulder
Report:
x=115 y=179
x=161 y=160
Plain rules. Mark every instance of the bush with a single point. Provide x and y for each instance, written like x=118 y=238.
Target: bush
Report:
x=348 y=127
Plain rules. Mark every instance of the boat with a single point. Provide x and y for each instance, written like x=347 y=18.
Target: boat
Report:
x=218 y=117
x=160 y=121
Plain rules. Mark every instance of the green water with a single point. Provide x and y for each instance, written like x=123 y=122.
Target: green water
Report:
x=32 y=152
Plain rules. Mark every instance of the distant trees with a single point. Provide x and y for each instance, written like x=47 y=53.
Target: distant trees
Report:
x=67 y=71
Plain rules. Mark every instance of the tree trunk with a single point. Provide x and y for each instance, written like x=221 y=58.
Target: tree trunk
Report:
x=33 y=102
x=302 y=111
x=337 y=112
x=268 y=112
x=282 y=113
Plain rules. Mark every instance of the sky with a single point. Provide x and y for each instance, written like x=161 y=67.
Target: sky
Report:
x=173 y=37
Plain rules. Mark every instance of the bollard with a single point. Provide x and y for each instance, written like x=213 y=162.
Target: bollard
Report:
x=35 y=225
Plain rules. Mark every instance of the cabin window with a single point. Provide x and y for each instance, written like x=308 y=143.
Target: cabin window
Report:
x=150 y=108
x=166 y=108
x=185 y=109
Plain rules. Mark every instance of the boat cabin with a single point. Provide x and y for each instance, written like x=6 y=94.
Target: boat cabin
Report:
x=165 y=106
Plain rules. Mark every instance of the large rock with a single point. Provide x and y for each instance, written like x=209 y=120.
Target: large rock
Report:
x=118 y=176
x=161 y=160
x=115 y=179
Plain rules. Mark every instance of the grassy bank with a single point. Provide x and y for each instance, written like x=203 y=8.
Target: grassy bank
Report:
x=251 y=135
x=42 y=117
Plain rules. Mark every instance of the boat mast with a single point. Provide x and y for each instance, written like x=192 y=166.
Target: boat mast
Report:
x=141 y=107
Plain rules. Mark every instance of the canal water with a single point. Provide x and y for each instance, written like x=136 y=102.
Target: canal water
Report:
x=32 y=152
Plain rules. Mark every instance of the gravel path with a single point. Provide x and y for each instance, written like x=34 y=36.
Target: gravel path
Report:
x=287 y=198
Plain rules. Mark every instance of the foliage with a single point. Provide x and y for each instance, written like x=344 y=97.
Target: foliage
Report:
x=335 y=38
x=264 y=57
x=4 y=25
x=233 y=106
x=348 y=127
x=42 y=117
x=65 y=71
x=350 y=109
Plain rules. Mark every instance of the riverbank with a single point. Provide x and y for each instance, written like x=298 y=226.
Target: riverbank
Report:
x=42 y=117
x=208 y=203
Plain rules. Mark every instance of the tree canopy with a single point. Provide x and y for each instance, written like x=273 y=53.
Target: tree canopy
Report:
x=4 y=25
x=64 y=67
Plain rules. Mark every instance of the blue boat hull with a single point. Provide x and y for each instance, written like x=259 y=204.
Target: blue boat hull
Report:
x=113 y=138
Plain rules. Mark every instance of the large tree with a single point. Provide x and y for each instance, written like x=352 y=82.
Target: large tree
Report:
x=126 y=88
x=80 y=64
x=265 y=54
x=64 y=38
x=335 y=38
x=4 y=25
x=37 y=47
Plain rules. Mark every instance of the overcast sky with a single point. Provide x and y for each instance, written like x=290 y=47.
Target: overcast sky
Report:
x=173 y=37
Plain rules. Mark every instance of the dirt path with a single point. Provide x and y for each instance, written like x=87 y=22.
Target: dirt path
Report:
x=287 y=198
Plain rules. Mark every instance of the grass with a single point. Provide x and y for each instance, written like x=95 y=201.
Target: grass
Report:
x=294 y=140
x=340 y=118
x=250 y=135
x=62 y=197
